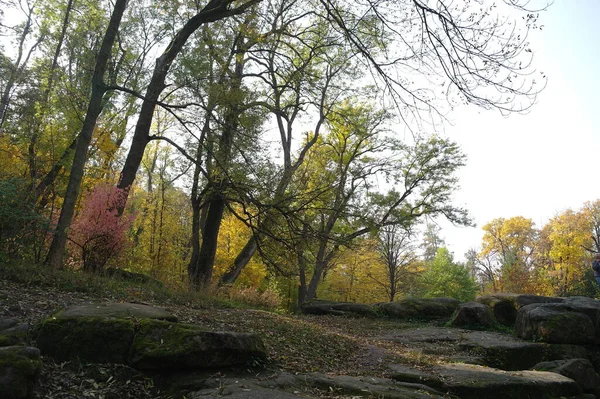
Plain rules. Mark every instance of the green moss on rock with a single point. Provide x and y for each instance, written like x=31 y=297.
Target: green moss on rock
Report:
x=92 y=339
x=164 y=345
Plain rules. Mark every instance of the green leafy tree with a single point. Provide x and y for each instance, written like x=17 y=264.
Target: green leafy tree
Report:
x=445 y=278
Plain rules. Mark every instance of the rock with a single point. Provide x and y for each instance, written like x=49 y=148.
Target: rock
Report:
x=13 y=332
x=371 y=386
x=338 y=309
x=160 y=345
x=90 y=339
x=474 y=315
x=554 y=323
x=20 y=367
x=404 y=373
x=580 y=370
x=419 y=308
x=132 y=276
x=505 y=305
x=475 y=382
x=502 y=351
x=117 y=310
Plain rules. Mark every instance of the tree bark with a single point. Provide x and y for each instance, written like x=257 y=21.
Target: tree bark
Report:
x=57 y=247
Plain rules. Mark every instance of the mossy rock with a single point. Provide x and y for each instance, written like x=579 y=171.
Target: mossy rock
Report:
x=554 y=323
x=318 y=307
x=160 y=345
x=117 y=310
x=90 y=339
x=13 y=332
x=20 y=367
x=420 y=308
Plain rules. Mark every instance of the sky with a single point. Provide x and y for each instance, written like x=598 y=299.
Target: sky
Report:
x=546 y=161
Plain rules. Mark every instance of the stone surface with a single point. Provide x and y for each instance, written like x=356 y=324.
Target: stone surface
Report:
x=90 y=339
x=476 y=382
x=473 y=315
x=338 y=309
x=132 y=276
x=117 y=310
x=419 y=308
x=580 y=370
x=371 y=387
x=19 y=369
x=13 y=332
x=160 y=345
x=555 y=323
x=505 y=305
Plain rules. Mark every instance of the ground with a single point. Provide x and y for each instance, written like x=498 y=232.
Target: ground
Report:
x=295 y=343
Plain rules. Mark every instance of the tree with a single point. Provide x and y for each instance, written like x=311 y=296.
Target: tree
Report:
x=57 y=247
x=397 y=253
x=445 y=278
x=508 y=247
x=432 y=241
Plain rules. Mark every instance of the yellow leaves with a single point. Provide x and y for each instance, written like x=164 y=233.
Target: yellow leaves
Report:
x=10 y=158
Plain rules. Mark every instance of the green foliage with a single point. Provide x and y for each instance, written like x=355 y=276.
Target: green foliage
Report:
x=445 y=278
x=21 y=227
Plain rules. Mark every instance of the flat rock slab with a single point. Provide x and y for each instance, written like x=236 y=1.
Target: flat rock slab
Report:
x=97 y=334
x=419 y=308
x=19 y=368
x=482 y=347
x=475 y=382
x=160 y=345
x=117 y=310
x=338 y=309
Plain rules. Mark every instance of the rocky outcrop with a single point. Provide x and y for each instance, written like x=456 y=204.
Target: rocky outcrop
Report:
x=506 y=305
x=579 y=370
x=318 y=307
x=138 y=335
x=419 y=308
x=473 y=315
x=20 y=367
x=13 y=332
x=475 y=382
x=160 y=345
x=576 y=320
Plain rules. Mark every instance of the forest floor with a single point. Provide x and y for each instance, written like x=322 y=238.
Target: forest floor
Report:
x=296 y=343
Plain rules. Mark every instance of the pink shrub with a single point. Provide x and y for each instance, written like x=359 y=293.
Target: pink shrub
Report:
x=98 y=229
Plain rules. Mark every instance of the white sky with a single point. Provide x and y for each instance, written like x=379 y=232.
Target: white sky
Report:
x=547 y=161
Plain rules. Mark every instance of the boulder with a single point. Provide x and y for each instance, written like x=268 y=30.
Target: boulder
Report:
x=419 y=308
x=20 y=367
x=160 y=345
x=474 y=382
x=505 y=305
x=132 y=276
x=560 y=323
x=502 y=351
x=117 y=310
x=13 y=332
x=579 y=370
x=473 y=315
x=318 y=307
x=89 y=339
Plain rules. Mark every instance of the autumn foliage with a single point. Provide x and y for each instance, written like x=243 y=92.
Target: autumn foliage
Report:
x=98 y=231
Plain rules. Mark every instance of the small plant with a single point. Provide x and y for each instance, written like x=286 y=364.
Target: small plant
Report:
x=267 y=298
x=98 y=230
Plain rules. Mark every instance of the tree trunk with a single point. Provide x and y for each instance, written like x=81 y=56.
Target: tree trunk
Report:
x=240 y=261
x=201 y=272
x=59 y=241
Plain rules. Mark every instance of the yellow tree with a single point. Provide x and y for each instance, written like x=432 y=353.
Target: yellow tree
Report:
x=507 y=251
x=568 y=235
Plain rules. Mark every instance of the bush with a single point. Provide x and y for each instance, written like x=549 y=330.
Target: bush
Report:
x=98 y=230
x=268 y=298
